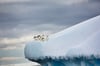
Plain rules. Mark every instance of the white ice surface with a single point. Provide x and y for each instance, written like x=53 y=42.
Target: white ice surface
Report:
x=80 y=39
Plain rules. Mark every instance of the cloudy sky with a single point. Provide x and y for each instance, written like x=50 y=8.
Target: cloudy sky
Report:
x=21 y=19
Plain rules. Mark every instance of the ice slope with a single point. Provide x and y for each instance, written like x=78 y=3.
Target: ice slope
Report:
x=80 y=39
x=90 y=46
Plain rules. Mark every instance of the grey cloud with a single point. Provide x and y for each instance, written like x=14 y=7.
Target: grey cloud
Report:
x=30 y=15
x=11 y=46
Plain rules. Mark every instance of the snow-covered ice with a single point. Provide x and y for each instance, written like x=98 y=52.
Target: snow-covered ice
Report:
x=82 y=39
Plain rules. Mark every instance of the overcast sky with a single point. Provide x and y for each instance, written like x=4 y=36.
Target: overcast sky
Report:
x=21 y=19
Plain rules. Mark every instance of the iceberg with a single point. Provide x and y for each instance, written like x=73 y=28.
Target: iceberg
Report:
x=78 y=45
